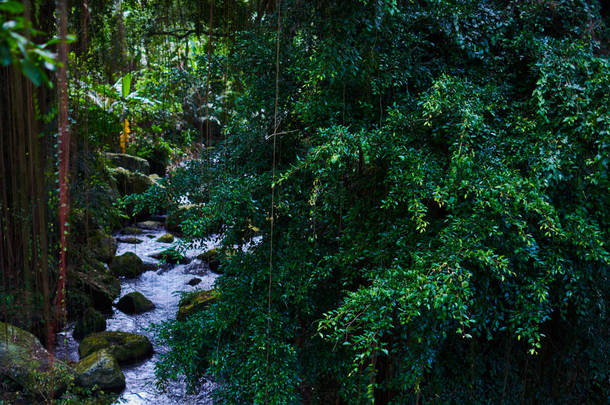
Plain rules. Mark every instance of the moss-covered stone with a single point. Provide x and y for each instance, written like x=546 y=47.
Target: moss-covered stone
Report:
x=102 y=246
x=130 y=182
x=132 y=240
x=25 y=361
x=101 y=370
x=129 y=162
x=131 y=230
x=211 y=258
x=96 y=282
x=167 y=238
x=128 y=264
x=134 y=303
x=195 y=302
x=150 y=225
x=90 y=322
x=125 y=347
x=171 y=256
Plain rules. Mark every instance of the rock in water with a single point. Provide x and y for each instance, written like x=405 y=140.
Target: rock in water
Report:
x=134 y=303
x=131 y=240
x=128 y=264
x=171 y=256
x=129 y=162
x=150 y=225
x=131 y=230
x=167 y=238
x=195 y=302
x=90 y=322
x=24 y=360
x=211 y=258
x=125 y=347
x=102 y=246
x=102 y=370
x=194 y=281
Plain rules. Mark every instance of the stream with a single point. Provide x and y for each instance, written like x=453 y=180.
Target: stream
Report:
x=161 y=286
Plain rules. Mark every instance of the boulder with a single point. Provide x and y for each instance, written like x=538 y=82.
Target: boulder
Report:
x=128 y=264
x=26 y=362
x=198 y=301
x=90 y=322
x=131 y=230
x=211 y=259
x=171 y=256
x=167 y=238
x=131 y=240
x=100 y=370
x=123 y=346
x=102 y=246
x=150 y=225
x=131 y=182
x=194 y=281
x=129 y=162
x=98 y=283
x=134 y=303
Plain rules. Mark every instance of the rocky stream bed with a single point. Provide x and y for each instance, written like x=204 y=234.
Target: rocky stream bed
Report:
x=160 y=284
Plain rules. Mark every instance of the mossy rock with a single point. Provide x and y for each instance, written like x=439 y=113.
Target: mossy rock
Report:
x=128 y=264
x=211 y=258
x=167 y=238
x=132 y=240
x=195 y=302
x=90 y=322
x=96 y=282
x=129 y=162
x=125 y=347
x=25 y=361
x=134 y=303
x=101 y=370
x=131 y=230
x=171 y=256
x=102 y=246
x=131 y=182
x=152 y=225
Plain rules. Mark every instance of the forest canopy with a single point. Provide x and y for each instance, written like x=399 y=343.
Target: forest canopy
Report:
x=411 y=197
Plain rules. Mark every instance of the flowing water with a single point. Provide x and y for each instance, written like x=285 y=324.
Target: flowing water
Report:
x=161 y=286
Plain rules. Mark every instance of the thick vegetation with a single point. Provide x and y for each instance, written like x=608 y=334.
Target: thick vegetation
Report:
x=412 y=196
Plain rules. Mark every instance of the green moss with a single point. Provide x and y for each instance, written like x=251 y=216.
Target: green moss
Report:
x=25 y=361
x=127 y=264
x=125 y=347
x=195 y=302
x=101 y=370
x=131 y=240
x=167 y=238
x=131 y=230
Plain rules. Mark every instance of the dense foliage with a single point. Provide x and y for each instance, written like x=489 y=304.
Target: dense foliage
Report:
x=439 y=226
x=411 y=195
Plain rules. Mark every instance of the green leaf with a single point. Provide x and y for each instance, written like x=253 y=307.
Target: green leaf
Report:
x=126 y=85
x=13 y=7
x=32 y=71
